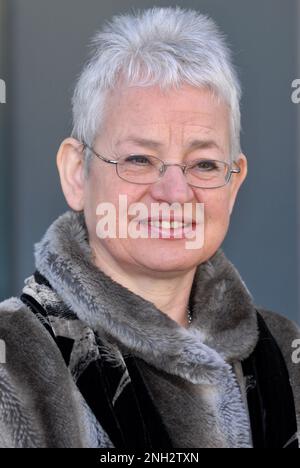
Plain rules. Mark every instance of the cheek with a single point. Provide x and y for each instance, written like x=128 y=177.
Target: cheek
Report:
x=100 y=188
x=106 y=186
x=96 y=191
x=216 y=213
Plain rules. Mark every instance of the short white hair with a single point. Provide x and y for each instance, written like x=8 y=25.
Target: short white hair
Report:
x=158 y=46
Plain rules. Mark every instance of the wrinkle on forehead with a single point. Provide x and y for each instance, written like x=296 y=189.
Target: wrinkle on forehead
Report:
x=167 y=118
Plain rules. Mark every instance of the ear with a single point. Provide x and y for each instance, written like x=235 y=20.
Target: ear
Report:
x=237 y=179
x=70 y=163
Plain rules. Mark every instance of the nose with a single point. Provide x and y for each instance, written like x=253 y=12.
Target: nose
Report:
x=172 y=187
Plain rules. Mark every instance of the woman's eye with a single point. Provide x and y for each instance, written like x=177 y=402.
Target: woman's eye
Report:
x=137 y=159
x=206 y=165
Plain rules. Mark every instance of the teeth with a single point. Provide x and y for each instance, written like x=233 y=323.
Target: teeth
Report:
x=168 y=225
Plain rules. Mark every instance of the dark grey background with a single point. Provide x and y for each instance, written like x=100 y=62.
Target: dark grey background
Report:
x=47 y=45
x=5 y=251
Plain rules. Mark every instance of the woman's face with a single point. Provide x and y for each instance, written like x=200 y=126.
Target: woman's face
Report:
x=176 y=126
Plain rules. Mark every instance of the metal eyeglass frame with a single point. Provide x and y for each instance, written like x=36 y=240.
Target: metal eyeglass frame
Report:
x=163 y=168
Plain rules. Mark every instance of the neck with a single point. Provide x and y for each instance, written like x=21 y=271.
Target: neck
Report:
x=168 y=291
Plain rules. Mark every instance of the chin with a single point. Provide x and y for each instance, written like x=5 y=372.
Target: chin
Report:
x=170 y=257
x=166 y=261
x=166 y=269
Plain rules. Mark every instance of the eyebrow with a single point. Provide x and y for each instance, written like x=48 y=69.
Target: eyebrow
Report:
x=146 y=143
x=152 y=144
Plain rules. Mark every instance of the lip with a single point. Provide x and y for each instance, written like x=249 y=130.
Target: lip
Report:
x=166 y=233
x=170 y=219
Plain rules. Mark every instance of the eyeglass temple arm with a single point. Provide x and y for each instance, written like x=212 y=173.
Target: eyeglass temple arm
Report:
x=237 y=170
x=85 y=145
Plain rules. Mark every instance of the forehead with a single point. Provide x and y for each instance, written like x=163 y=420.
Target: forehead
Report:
x=177 y=113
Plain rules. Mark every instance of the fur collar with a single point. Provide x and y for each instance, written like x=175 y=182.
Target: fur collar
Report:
x=224 y=320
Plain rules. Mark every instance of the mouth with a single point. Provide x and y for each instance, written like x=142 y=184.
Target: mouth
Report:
x=168 y=229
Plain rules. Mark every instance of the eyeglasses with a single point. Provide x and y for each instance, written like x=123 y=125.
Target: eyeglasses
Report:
x=144 y=169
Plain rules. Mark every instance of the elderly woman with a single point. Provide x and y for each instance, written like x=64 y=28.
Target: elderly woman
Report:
x=128 y=335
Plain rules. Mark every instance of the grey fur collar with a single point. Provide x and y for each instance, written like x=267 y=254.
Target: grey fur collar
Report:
x=224 y=326
x=224 y=317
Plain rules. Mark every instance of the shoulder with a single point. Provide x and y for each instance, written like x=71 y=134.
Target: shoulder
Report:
x=285 y=331
x=11 y=305
x=18 y=333
x=27 y=342
x=287 y=336
x=19 y=327
x=38 y=398
x=12 y=309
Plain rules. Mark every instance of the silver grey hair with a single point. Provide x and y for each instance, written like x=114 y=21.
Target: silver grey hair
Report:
x=159 y=46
